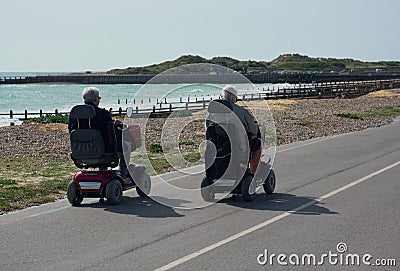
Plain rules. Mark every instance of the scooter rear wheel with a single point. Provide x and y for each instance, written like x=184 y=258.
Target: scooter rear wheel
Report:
x=207 y=190
x=248 y=188
x=114 y=192
x=73 y=194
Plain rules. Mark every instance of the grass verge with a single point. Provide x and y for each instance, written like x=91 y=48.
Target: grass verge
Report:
x=385 y=111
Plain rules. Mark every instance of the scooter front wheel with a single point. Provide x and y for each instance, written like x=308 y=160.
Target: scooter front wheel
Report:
x=143 y=188
x=270 y=182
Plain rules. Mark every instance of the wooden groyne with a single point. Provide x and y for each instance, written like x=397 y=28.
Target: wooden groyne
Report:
x=270 y=77
x=311 y=91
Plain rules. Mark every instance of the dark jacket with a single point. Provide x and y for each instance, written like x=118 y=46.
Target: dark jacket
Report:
x=99 y=122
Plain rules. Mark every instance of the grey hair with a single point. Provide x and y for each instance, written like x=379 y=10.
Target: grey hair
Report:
x=229 y=93
x=90 y=94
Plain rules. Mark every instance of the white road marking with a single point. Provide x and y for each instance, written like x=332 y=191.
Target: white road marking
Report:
x=270 y=221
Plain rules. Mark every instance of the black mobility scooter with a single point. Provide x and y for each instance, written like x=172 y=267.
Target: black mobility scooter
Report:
x=88 y=151
x=227 y=156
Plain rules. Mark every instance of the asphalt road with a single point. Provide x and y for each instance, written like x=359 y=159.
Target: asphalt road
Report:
x=335 y=197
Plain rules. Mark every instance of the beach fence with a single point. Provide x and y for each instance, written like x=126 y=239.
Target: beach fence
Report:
x=162 y=107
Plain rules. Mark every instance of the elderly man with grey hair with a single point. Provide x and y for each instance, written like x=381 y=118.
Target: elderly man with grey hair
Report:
x=230 y=93
x=91 y=96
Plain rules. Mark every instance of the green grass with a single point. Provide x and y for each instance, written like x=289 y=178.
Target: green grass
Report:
x=159 y=163
x=7 y=182
x=350 y=116
x=192 y=157
x=385 y=111
x=33 y=183
x=28 y=167
x=20 y=196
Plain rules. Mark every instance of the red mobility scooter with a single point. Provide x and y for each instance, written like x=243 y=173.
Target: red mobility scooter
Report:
x=87 y=151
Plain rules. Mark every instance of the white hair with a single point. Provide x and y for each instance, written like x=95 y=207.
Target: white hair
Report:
x=229 y=93
x=90 y=94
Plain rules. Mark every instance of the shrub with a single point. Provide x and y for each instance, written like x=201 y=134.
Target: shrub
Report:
x=50 y=118
x=155 y=148
x=187 y=143
x=350 y=116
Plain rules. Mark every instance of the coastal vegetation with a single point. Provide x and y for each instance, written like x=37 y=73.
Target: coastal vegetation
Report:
x=285 y=62
x=49 y=118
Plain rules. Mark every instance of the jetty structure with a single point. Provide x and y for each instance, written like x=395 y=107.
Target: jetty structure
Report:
x=267 y=77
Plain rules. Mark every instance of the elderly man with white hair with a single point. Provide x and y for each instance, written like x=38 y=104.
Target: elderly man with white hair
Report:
x=91 y=96
x=229 y=93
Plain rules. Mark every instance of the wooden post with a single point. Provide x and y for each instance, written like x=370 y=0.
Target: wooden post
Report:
x=137 y=110
x=188 y=99
x=120 y=111
x=187 y=106
x=119 y=101
x=26 y=114
x=149 y=100
x=180 y=99
x=154 y=109
x=170 y=107
x=126 y=101
x=56 y=112
x=40 y=113
x=204 y=104
x=11 y=114
x=165 y=100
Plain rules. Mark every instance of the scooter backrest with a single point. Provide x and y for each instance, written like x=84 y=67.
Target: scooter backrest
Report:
x=83 y=111
x=87 y=144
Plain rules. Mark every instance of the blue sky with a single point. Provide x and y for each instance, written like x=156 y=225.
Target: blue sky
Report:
x=98 y=35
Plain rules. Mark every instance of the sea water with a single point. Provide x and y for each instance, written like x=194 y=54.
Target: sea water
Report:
x=49 y=97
